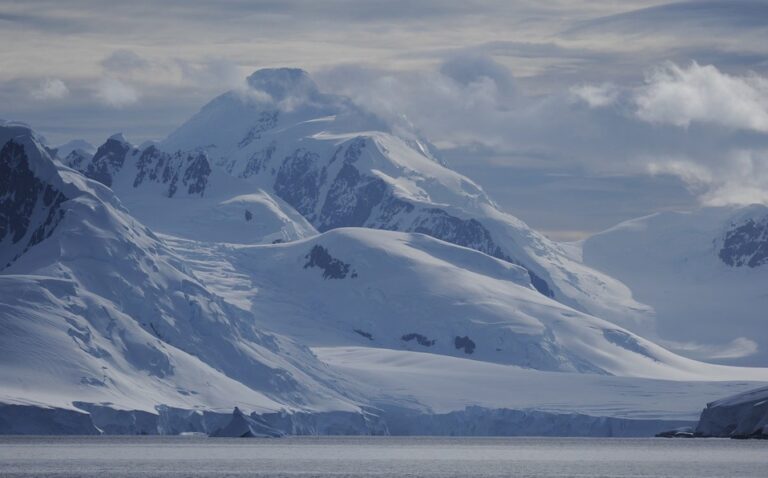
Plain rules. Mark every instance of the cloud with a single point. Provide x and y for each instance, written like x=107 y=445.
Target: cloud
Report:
x=216 y=73
x=50 y=89
x=116 y=94
x=450 y=105
x=124 y=61
x=596 y=96
x=696 y=123
x=737 y=348
x=681 y=18
x=467 y=69
x=681 y=96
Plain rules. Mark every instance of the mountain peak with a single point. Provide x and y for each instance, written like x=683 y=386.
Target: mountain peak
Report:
x=280 y=83
x=119 y=138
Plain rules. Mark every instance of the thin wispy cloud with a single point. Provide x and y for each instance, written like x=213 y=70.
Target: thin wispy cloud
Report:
x=50 y=89
x=114 y=93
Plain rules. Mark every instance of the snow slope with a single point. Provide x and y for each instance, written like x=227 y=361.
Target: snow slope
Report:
x=339 y=167
x=385 y=289
x=95 y=308
x=704 y=273
x=181 y=194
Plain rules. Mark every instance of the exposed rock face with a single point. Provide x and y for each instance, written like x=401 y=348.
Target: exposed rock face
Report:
x=109 y=159
x=332 y=268
x=739 y=416
x=420 y=339
x=746 y=244
x=464 y=343
x=179 y=171
x=30 y=209
x=299 y=180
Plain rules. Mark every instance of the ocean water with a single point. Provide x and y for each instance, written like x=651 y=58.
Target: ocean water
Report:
x=385 y=457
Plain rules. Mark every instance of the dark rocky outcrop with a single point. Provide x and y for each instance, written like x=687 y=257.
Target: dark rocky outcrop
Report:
x=299 y=180
x=30 y=209
x=746 y=244
x=464 y=343
x=332 y=268
x=365 y=334
x=108 y=160
x=420 y=339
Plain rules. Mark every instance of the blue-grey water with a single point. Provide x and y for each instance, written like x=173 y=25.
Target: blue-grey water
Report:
x=380 y=457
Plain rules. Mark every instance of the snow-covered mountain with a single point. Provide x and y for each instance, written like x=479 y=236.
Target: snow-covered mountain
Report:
x=184 y=195
x=340 y=167
x=704 y=273
x=363 y=287
x=96 y=309
x=79 y=146
x=284 y=250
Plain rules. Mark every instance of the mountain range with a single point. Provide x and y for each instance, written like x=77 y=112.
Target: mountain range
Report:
x=292 y=255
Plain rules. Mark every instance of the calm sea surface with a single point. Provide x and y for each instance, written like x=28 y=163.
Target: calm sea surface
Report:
x=380 y=457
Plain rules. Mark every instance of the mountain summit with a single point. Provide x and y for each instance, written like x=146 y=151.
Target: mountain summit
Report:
x=338 y=166
x=280 y=83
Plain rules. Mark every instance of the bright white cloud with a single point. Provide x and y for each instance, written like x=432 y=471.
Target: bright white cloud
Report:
x=737 y=348
x=113 y=92
x=742 y=178
x=50 y=89
x=681 y=96
x=720 y=152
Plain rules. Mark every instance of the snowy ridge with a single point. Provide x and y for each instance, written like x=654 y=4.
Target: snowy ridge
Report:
x=181 y=194
x=101 y=311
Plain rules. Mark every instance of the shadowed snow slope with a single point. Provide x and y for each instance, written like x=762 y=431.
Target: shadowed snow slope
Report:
x=704 y=272
x=339 y=167
x=95 y=308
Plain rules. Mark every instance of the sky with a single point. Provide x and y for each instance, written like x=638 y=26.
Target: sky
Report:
x=573 y=115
